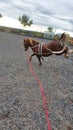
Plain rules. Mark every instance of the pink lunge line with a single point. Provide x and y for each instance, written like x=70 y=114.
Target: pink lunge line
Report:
x=42 y=93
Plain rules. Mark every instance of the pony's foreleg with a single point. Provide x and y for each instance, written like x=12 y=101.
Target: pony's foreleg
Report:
x=31 y=56
x=40 y=63
x=42 y=58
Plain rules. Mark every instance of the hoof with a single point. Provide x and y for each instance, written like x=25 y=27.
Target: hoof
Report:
x=66 y=56
x=69 y=128
x=40 y=64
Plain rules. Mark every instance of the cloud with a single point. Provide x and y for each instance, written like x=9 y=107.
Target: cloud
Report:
x=55 y=13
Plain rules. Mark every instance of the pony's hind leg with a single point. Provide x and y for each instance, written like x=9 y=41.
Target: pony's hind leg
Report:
x=30 y=58
x=66 y=53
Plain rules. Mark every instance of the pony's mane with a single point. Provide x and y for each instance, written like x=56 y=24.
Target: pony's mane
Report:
x=35 y=41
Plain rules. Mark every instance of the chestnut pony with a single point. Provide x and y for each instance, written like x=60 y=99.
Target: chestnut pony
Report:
x=46 y=49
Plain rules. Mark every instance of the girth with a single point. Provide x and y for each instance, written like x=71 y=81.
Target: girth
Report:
x=40 y=49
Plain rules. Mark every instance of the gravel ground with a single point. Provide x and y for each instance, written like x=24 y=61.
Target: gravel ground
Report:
x=21 y=106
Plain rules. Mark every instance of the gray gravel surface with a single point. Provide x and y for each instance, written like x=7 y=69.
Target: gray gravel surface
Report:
x=21 y=106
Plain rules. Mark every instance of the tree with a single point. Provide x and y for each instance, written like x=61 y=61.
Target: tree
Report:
x=25 y=20
x=50 y=29
x=56 y=37
x=0 y=15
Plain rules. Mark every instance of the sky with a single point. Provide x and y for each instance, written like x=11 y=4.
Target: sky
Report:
x=51 y=13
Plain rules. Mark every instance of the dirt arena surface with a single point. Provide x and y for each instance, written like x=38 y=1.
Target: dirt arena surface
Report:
x=21 y=106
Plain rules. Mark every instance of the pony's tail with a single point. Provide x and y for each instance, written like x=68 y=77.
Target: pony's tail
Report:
x=71 y=50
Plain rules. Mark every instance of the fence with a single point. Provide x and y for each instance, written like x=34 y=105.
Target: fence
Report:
x=44 y=35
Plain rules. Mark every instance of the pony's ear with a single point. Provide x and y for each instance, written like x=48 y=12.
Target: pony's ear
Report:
x=24 y=40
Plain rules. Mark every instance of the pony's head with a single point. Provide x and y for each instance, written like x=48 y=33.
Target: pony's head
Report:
x=26 y=43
